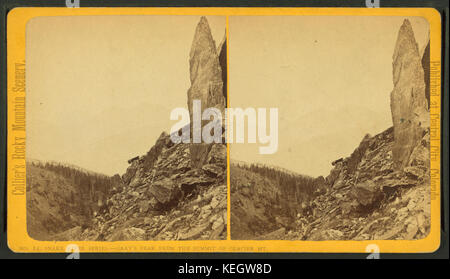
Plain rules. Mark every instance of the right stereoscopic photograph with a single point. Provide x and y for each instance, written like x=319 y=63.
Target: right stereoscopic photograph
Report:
x=338 y=138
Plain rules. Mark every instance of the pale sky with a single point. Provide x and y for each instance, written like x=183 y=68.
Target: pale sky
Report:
x=329 y=76
x=100 y=88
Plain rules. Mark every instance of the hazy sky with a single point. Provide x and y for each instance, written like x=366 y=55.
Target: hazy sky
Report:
x=329 y=76
x=100 y=88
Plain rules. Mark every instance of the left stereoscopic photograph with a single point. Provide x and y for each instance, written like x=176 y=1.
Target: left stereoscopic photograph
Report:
x=103 y=160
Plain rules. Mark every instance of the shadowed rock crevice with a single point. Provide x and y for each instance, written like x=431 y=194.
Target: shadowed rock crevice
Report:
x=426 y=71
x=222 y=51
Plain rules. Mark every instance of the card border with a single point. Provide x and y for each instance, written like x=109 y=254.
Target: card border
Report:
x=19 y=241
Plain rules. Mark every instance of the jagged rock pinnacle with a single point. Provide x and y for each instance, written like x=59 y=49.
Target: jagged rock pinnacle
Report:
x=203 y=55
x=408 y=101
x=207 y=84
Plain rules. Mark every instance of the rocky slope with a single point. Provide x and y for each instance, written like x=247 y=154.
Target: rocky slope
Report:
x=254 y=204
x=170 y=200
x=364 y=198
x=50 y=204
x=381 y=191
x=177 y=191
x=60 y=197
x=372 y=200
x=265 y=198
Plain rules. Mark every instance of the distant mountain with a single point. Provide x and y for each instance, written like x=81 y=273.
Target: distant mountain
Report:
x=274 y=167
x=64 y=164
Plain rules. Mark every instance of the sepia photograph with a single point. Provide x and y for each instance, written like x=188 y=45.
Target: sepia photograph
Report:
x=352 y=158
x=101 y=160
x=225 y=132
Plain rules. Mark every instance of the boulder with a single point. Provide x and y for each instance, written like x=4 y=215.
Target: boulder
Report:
x=195 y=232
x=131 y=234
x=213 y=170
x=367 y=193
x=188 y=183
x=154 y=152
x=340 y=182
x=164 y=190
x=420 y=156
x=278 y=234
x=199 y=152
x=217 y=155
x=117 y=183
x=137 y=179
x=335 y=172
x=130 y=172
